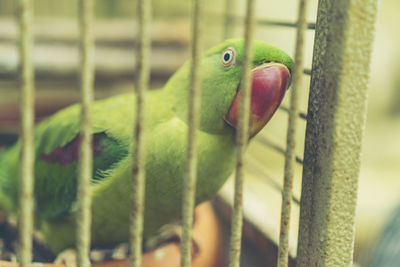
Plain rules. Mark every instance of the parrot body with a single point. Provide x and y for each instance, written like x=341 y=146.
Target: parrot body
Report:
x=57 y=142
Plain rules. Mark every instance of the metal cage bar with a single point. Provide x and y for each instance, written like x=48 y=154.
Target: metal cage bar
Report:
x=242 y=139
x=85 y=168
x=228 y=26
x=26 y=171
x=290 y=156
x=139 y=175
x=189 y=187
x=335 y=125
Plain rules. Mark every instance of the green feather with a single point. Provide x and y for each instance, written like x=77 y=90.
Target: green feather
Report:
x=165 y=137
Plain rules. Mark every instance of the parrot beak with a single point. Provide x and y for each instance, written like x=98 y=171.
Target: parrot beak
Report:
x=268 y=86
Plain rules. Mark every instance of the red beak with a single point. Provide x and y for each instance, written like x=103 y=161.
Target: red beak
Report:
x=269 y=84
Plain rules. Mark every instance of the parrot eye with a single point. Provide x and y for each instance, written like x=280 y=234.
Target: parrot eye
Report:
x=228 y=57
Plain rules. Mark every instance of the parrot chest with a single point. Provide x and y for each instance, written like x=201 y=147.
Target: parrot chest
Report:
x=165 y=164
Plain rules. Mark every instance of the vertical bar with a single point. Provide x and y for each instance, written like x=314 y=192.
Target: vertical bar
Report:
x=189 y=188
x=138 y=178
x=242 y=139
x=26 y=172
x=85 y=169
x=290 y=156
x=335 y=125
x=227 y=30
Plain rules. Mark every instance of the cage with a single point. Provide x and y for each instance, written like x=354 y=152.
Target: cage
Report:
x=332 y=142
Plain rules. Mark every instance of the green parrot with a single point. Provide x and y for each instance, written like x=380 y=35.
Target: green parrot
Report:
x=57 y=140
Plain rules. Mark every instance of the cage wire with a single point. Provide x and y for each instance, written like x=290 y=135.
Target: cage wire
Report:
x=328 y=146
x=335 y=125
x=85 y=167
x=26 y=174
x=242 y=138
x=138 y=178
x=189 y=187
x=290 y=157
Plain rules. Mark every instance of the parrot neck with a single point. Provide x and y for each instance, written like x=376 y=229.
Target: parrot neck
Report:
x=176 y=94
x=176 y=97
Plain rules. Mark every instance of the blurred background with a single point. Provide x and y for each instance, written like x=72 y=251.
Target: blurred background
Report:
x=56 y=60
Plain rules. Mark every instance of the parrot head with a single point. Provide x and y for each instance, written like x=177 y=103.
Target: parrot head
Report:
x=221 y=69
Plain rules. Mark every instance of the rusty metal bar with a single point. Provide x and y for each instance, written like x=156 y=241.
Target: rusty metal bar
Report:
x=85 y=169
x=26 y=172
x=139 y=172
x=242 y=138
x=335 y=125
x=189 y=188
x=290 y=156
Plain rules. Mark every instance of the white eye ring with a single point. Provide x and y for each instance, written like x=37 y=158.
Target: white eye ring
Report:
x=228 y=57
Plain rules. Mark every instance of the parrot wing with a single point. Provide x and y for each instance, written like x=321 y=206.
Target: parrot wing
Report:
x=57 y=143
